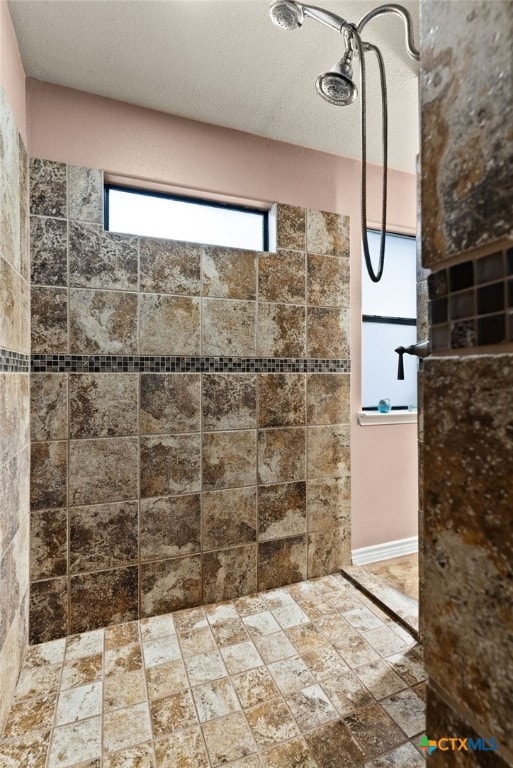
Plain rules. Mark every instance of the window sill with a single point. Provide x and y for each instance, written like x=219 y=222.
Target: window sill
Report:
x=373 y=418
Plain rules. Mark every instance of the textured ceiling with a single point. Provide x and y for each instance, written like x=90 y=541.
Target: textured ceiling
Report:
x=223 y=62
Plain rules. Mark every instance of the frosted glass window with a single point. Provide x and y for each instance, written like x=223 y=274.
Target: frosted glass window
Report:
x=389 y=310
x=142 y=213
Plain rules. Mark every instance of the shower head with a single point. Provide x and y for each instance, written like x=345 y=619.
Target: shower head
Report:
x=337 y=85
x=286 y=14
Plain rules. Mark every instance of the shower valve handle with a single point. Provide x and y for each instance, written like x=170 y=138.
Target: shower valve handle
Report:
x=422 y=349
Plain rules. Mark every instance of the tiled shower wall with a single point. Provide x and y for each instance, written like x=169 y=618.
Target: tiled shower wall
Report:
x=467 y=221
x=14 y=402
x=190 y=411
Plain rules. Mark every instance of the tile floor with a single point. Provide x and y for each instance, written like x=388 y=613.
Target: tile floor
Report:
x=402 y=573
x=308 y=676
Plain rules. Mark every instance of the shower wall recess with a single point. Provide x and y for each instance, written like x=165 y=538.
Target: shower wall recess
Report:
x=14 y=402
x=190 y=411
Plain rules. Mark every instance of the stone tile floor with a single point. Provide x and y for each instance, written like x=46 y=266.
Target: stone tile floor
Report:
x=402 y=573
x=308 y=676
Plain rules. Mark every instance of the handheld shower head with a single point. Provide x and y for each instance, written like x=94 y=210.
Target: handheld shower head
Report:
x=286 y=14
x=337 y=85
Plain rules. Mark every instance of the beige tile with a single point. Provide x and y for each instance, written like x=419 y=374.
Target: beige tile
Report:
x=189 y=619
x=346 y=693
x=140 y=756
x=172 y=713
x=250 y=604
x=79 y=703
x=254 y=687
x=85 y=644
x=408 y=710
x=29 y=715
x=80 y=671
x=229 y=273
x=170 y=267
x=374 y=730
x=405 y=756
x=327 y=233
x=278 y=598
x=228 y=738
x=218 y=613
x=306 y=637
x=281 y=330
x=271 y=723
x=291 y=227
x=290 y=675
x=45 y=653
x=380 y=679
x=324 y=662
x=260 y=624
x=166 y=679
x=126 y=727
x=182 y=748
x=121 y=634
x=311 y=707
x=290 y=616
x=127 y=658
x=169 y=325
x=294 y=753
x=274 y=647
x=229 y=632
x=38 y=681
x=161 y=650
x=356 y=652
x=157 y=626
x=215 y=699
x=241 y=657
x=281 y=277
x=29 y=750
x=197 y=641
x=124 y=690
x=205 y=667
x=408 y=666
x=75 y=743
x=386 y=641
x=228 y=327
x=332 y=745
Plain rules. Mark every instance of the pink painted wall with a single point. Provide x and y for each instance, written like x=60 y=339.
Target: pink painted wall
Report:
x=12 y=74
x=125 y=140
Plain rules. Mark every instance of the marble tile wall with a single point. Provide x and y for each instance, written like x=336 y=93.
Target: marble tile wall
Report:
x=467 y=204
x=14 y=402
x=152 y=492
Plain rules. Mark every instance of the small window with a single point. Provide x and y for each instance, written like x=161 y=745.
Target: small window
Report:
x=152 y=214
x=389 y=321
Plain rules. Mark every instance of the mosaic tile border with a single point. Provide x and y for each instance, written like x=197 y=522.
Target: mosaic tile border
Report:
x=13 y=362
x=182 y=364
x=471 y=304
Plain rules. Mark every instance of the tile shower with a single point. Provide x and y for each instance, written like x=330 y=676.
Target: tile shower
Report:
x=189 y=411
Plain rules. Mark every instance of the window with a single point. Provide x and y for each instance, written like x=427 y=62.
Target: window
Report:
x=389 y=321
x=152 y=214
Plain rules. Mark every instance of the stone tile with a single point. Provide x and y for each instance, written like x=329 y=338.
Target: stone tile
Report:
x=274 y=647
x=328 y=550
x=37 y=682
x=170 y=267
x=261 y=624
x=290 y=675
x=48 y=475
x=408 y=711
x=408 y=666
x=278 y=598
x=45 y=653
x=87 y=669
x=291 y=227
x=215 y=699
x=49 y=320
x=374 y=730
x=121 y=634
x=142 y=756
x=48 y=188
x=327 y=398
x=271 y=723
x=99 y=259
x=281 y=277
x=183 y=748
x=362 y=619
x=170 y=585
x=281 y=399
x=102 y=322
x=247 y=762
x=380 y=679
x=229 y=401
x=254 y=686
x=103 y=405
x=126 y=727
x=170 y=465
x=327 y=332
x=229 y=631
x=196 y=641
x=85 y=188
x=328 y=503
x=169 y=527
x=229 y=459
x=29 y=715
x=98 y=599
x=228 y=327
x=161 y=651
x=241 y=657
x=327 y=281
x=281 y=562
x=170 y=402
x=157 y=626
x=169 y=325
x=281 y=331
x=75 y=743
x=219 y=613
x=250 y=604
x=205 y=667
x=332 y=746
x=281 y=510
x=172 y=713
x=294 y=752
x=79 y=703
x=190 y=619
x=281 y=455
x=328 y=451
x=85 y=644
x=103 y=536
x=228 y=517
x=327 y=233
x=229 y=273
x=48 y=610
x=405 y=756
x=10 y=299
x=386 y=641
x=48 y=544
x=311 y=707
x=29 y=750
x=166 y=679
x=228 y=738
x=324 y=662
x=290 y=616
x=356 y=652
x=48 y=406
x=48 y=251
x=229 y=573
x=103 y=470
x=346 y=693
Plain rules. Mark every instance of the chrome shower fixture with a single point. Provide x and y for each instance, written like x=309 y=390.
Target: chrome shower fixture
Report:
x=337 y=86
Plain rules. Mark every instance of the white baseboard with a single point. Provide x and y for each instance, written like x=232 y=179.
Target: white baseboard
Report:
x=385 y=551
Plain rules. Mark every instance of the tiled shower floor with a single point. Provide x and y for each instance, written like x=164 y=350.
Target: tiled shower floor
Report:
x=307 y=676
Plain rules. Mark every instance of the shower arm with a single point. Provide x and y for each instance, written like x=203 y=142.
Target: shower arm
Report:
x=327 y=18
x=399 y=11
